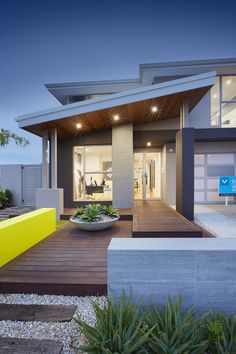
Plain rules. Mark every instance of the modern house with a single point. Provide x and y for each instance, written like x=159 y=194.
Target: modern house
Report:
x=167 y=136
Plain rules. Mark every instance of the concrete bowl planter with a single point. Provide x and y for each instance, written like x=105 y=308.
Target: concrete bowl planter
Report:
x=105 y=223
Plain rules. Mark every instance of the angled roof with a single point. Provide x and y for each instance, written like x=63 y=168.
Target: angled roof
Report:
x=168 y=93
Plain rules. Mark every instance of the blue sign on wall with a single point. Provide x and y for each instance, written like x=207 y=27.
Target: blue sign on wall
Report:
x=227 y=185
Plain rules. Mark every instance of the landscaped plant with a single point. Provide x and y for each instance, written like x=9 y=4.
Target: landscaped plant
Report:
x=123 y=328
x=119 y=328
x=95 y=212
x=174 y=331
x=110 y=211
x=79 y=211
x=5 y=198
x=92 y=213
x=220 y=330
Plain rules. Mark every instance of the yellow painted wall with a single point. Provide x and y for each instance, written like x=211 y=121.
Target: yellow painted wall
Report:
x=22 y=232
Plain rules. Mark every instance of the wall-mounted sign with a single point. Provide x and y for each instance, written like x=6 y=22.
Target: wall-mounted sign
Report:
x=227 y=186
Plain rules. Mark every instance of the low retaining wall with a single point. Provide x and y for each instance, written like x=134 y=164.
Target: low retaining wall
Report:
x=202 y=270
x=22 y=232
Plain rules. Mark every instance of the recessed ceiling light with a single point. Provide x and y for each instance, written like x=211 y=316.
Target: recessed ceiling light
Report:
x=78 y=125
x=149 y=143
x=116 y=117
x=154 y=109
x=228 y=82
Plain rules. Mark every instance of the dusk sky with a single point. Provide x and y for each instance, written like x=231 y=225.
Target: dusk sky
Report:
x=64 y=41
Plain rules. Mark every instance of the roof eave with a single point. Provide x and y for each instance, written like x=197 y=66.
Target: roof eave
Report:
x=114 y=100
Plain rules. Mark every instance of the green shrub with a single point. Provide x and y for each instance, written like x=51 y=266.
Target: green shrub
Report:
x=220 y=330
x=119 y=329
x=5 y=198
x=110 y=211
x=95 y=212
x=79 y=212
x=175 y=332
x=92 y=212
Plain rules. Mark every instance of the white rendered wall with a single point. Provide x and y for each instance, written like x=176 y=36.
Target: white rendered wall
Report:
x=200 y=116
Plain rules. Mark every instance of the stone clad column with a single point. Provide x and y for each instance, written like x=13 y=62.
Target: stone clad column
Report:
x=122 y=166
x=54 y=158
x=45 y=174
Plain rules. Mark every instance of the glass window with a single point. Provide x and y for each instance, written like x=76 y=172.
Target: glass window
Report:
x=229 y=115
x=92 y=173
x=199 y=183
x=199 y=171
x=220 y=159
x=199 y=159
x=215 y=171
x=215 y=103
x=229 y=88
x=212 y=183
x=199 y=197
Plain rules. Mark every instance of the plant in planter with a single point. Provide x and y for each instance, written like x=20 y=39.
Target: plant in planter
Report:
x=92 y=213
x=110 y=211
x=95 y=217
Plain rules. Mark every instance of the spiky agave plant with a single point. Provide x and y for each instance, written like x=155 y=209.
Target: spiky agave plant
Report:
x=220 y=330
x=174 y=331
x=110 y=211
x=119 y=329
x=92 y=213
x=79 y=212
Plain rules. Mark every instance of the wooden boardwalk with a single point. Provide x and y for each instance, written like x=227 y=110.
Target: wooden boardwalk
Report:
x=155 y=219
x=74 y=262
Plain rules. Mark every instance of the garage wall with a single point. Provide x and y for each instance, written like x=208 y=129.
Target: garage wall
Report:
x=211 y=161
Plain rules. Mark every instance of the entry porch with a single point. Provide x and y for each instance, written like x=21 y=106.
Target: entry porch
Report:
x=73 y=262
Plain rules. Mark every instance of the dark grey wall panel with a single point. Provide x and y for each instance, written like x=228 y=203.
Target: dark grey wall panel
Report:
x=185 y=172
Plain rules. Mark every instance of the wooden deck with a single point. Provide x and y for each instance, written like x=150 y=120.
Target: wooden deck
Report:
x=155 y=219
x=69 y=262
x=74 y=262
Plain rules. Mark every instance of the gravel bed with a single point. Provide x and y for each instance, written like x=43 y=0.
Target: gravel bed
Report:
x=65 y=332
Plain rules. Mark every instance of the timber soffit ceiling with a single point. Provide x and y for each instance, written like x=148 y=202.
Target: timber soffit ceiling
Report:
x=133 y=106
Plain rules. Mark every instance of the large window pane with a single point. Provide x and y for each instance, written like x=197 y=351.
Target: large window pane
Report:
x=228 y=115
x=92 y=173
x=220 y=159
x=215 y=103
x=229 y=88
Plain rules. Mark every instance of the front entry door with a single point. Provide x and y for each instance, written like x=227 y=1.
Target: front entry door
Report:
x=147 y=175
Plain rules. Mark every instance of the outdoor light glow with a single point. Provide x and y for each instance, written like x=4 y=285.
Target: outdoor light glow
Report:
x=228 y=82
x=149 y=143
x=154 y=109
x=78 y=125
x=116 y=117
x=215 y=95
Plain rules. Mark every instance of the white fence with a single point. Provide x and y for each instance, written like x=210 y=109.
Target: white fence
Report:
x=22 y=180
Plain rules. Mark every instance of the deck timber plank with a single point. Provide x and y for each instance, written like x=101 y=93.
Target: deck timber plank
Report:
x=42 y=313
x=29 y=346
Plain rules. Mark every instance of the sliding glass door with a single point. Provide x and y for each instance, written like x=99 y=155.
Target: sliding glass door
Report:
x=147 y=175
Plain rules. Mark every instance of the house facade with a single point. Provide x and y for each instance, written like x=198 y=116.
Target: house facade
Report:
x=167 y=136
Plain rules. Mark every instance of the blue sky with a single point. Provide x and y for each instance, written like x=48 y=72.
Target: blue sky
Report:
x=47 y=41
